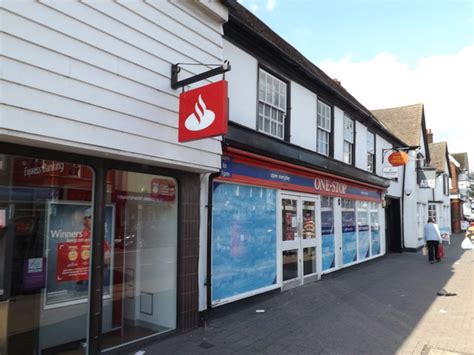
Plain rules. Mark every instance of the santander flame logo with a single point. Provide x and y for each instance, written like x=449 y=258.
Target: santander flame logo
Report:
x=201 y=118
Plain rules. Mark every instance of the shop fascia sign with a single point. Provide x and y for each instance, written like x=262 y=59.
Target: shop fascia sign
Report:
x=203 y=111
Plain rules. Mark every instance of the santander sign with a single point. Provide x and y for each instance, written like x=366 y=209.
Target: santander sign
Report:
x=203 y=112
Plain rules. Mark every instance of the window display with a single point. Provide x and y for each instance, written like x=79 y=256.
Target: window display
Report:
x=48 y=218
x=375 y=228
x=349 y=239
x=363 y=229
x=327 y=233
x=144 y=275
x=244 y=240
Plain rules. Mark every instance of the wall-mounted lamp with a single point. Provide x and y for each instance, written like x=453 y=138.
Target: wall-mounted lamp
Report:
x=408 y=192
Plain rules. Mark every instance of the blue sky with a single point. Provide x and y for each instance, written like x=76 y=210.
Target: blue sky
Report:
x=390 y=53
x=325 y=29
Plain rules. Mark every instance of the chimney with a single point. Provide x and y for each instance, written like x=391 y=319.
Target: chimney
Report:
x=429 y=136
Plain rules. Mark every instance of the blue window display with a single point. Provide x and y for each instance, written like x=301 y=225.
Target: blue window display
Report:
x=363 y=229
x=244 y=240
x=349 y=242
x=327 y=233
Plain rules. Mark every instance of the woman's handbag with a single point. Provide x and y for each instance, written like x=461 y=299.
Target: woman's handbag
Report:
x=466 y=243
x=425 y=250
x=440 y=252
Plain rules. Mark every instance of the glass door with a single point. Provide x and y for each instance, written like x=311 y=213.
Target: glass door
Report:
x=299 y=242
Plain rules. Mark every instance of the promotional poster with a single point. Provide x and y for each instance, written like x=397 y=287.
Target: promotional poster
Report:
x=349 y=242
x=68 y=252
x=327 y=240
x=244 y=240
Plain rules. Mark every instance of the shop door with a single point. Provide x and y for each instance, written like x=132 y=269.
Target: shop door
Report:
x=299 y=240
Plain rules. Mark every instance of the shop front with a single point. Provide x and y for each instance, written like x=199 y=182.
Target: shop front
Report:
x=89 y=251
x=277 y=225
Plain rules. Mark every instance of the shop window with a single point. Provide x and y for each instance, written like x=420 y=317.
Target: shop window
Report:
x=363 y=232
x=244 y=241
x=271 y=105
x=327 y=233
x=143 y=214
x=375 y=228
x=45 y=248
x=349 y=236
x=323 y=128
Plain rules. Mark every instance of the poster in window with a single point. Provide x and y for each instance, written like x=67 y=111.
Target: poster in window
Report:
x=349 y=242
x=244 y=240
x=68 y=252
x=327 y=239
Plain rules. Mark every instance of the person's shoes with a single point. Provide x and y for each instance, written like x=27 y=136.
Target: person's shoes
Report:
x=438 y=260
x=431 y=262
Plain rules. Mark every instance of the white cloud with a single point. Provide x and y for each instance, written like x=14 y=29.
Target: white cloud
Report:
x=270 y=5
x=443 y=83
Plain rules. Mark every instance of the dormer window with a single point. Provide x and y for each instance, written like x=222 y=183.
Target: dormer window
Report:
x=271 y=105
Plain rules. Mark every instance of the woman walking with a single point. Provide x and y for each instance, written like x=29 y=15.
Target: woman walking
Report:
x=432 y=238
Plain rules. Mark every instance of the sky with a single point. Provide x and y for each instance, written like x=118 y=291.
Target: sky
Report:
x=390 y=53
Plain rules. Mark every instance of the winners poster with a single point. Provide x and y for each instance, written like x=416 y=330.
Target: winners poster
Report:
x=68 y=252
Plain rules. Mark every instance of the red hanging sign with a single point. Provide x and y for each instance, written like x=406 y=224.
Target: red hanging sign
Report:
x=203 y=112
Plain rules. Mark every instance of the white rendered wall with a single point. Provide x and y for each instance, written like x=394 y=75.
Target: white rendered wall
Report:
x=360 y=146
x=97 y=77
x=395 y=188
x=338 y=133
x=242 y=80
x=303 y=117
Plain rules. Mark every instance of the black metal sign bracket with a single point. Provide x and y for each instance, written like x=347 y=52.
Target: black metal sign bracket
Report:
x=176 y=68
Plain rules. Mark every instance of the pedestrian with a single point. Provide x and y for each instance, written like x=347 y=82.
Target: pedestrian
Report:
x=432 y=238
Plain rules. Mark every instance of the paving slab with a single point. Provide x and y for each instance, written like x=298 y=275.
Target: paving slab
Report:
x=386 y=306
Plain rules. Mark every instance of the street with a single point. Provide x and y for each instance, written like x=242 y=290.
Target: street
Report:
x=387 y=306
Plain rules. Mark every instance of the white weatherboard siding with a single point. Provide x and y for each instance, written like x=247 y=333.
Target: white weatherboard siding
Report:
x=303 y=117
x=94 y=77
x=242 y=86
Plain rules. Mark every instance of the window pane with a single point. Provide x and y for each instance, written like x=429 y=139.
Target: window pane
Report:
x=144 y=228
x=309 y=261
x=363 y=229
x=349 y=241
x=47 y=210
x=280 y=131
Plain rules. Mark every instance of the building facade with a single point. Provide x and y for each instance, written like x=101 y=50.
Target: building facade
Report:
x=99 y=203
x=300 y=192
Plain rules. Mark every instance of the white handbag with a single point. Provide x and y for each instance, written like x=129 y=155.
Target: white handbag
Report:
x=466 y=243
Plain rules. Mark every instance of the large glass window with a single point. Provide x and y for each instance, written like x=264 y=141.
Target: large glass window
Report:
x=271 y=105
x=327 y=233
x=363 y=229
x=323 y=128
x=244 y=240
x=142 y=210
x=375 y=228
x=349 y=236
x=348 y=140
x=370 y=152
x=45 y=247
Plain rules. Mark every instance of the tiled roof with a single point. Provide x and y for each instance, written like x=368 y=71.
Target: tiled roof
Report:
x=439 y=155
x=405 y=122
x=462 y=159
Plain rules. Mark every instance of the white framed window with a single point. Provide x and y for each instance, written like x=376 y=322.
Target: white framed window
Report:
x=323 y=128
x=271 y=105
x=348 y=140
x=432 y=211
x=370 y=152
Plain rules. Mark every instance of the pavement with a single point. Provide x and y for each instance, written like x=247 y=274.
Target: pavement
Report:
x=386 y=306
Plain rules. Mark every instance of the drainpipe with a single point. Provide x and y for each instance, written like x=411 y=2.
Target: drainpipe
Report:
x=209 y=238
